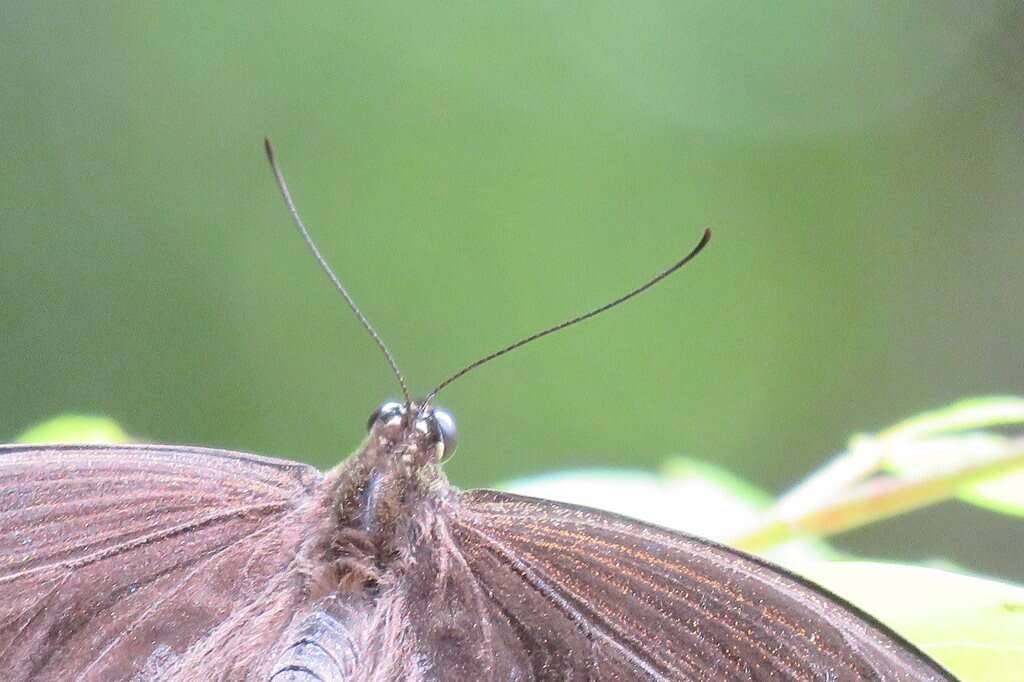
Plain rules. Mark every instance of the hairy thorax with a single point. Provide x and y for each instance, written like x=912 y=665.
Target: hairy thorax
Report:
x=375 y=508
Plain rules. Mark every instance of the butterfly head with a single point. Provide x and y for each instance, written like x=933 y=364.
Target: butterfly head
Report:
x=421 y=434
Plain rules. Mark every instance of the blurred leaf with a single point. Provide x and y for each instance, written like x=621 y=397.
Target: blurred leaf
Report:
x=1003 y=493
x=846 y=492
x=973 y=626
x=969 y=414
x=929 y=453
x=73 y=428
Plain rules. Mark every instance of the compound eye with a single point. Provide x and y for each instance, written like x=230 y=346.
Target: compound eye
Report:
x=389 y=412
x=448 y=435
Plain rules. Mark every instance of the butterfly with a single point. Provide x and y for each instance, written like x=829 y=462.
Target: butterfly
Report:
x=158 y=562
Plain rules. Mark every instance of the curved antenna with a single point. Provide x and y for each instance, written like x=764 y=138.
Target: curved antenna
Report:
x=705 y=238
x=283 y=186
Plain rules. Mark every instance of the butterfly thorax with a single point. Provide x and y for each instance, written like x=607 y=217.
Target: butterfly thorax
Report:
x=382 y=496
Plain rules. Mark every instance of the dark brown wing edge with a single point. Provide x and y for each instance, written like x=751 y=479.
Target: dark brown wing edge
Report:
x=663 y=604
x=114 y=560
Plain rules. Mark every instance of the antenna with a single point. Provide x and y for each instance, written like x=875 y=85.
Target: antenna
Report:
x=705 y=238
x=283 y=186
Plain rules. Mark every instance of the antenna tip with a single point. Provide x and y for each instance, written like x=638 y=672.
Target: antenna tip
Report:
x=269 y=148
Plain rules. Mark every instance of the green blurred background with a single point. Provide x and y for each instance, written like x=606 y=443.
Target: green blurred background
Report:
x=478 y=170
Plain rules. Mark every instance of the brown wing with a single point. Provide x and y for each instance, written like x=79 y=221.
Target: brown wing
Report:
x=531 y=589
x=116 y=560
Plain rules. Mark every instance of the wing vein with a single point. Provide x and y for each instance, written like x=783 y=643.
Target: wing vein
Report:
x=555 y=597
x=202 y=522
